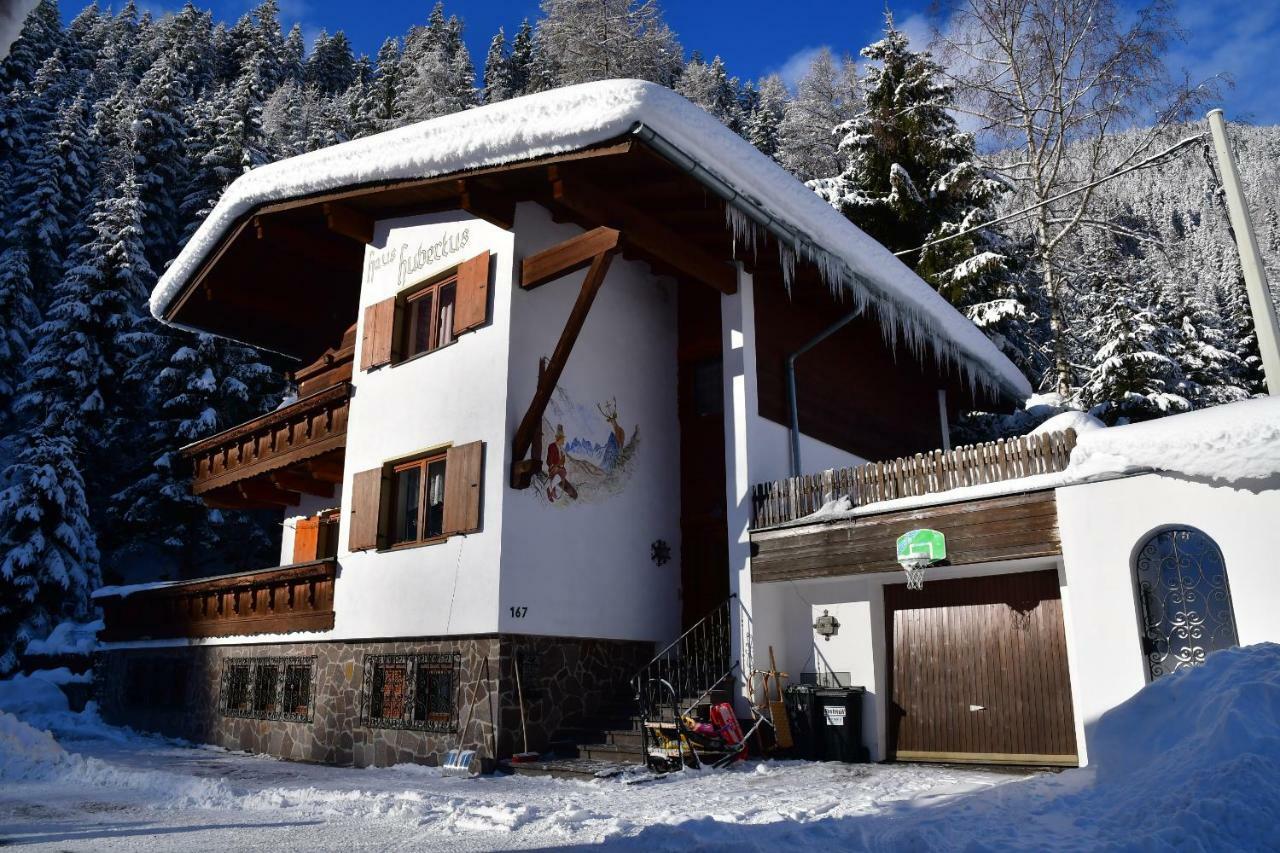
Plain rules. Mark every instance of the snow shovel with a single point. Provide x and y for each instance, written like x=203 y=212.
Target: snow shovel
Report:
x=462 y=762
x=778 y=709
x=526 y=756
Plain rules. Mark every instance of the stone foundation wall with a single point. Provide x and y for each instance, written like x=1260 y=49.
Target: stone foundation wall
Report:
x=564 y=682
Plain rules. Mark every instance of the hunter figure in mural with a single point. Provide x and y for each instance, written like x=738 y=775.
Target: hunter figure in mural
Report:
x=579 y=466
x=556 y=461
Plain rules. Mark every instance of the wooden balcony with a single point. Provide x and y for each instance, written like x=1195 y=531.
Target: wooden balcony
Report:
x=266 y=601
x=270 y=460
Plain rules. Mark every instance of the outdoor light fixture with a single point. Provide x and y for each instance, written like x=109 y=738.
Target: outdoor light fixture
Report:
x=827 y=626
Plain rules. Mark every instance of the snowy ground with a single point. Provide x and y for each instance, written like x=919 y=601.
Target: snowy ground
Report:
x=1192 y=762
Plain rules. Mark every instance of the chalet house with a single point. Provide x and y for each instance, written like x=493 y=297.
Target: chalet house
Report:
x=545 y=350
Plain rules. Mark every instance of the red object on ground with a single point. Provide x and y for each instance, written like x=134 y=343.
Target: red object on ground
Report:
x=525 y=757
x=727 y=722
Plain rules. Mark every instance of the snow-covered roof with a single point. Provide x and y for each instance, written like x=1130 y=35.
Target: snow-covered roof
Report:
x=576 y=117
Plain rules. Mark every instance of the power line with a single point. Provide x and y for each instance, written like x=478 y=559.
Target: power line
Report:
x=1154 y=158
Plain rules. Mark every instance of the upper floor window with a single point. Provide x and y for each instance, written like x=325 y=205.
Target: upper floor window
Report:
x=1185 y=600
x=418 y=500
x=428 y=316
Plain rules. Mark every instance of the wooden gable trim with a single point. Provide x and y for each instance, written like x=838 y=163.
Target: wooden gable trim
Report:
x=522 y=470
x=566 y=257
x=1008 y=527
x=492 y=206
x=642 y=232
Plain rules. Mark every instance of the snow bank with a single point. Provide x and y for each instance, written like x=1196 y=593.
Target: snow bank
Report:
x=1231 y=443
x=33 y=695
x=574 y=117
x=26 y=752
x=68 y=638
x=1081 y=422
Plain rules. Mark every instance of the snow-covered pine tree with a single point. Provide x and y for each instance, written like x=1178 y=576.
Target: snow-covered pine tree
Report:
x=826 y=97
x=709 y=86
x=497 y=70
x=583 y=40
x=331 y=68
x=764 y=122
x=380 y=100
x=293 y=56
x=1131 y=378
x=160 y=125
x=520 y=62
x=41 y=35
x=437 y=77
x=1212 y=373
x=48 y=548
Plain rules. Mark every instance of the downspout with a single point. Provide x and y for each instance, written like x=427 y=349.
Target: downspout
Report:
x=791 y=382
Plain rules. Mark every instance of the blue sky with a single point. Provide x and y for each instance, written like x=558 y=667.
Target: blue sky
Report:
x=1237 y=37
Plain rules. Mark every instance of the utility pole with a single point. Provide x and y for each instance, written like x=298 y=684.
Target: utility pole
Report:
x=1261 y=305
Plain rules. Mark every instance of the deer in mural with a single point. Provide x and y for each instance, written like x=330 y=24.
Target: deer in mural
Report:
x=610 y=412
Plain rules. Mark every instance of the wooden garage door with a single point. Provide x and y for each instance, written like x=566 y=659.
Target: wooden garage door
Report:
x=978 y=671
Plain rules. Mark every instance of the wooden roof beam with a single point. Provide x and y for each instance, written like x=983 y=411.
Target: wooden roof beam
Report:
x=490 y=205
x=326 y=470
x=349 y=222
x=642 y=231
x=568 y=256
x=291 y=480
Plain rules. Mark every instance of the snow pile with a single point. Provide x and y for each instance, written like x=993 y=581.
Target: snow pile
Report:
x=35 y=695
x=68 y=638
x=1081 y=422
x=26 y=752
x=1237 y=442
x=575 y=117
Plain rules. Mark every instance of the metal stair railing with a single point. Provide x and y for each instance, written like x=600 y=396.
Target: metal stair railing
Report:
x=687 y=670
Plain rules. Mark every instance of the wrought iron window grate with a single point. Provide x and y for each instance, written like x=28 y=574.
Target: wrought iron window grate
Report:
x=411 y=692
x=279 y=689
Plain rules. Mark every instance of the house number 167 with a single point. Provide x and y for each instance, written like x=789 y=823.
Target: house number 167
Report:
x=518 y=612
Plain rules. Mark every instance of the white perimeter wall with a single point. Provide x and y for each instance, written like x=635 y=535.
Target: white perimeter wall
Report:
x=582 y=568
x=1103 y=527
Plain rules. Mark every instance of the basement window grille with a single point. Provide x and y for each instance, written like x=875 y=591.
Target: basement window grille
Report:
x=269 y=688
x=411 y=692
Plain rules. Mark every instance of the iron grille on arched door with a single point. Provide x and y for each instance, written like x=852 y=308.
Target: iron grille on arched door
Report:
x=1186 y=602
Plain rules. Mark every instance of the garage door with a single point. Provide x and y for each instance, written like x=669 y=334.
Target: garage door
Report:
x=978 y=671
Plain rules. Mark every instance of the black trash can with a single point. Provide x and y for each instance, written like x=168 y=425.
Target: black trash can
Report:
x=838 y=717
x=802 y=711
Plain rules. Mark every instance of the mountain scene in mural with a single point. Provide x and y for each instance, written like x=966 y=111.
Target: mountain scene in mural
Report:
x=589 y=455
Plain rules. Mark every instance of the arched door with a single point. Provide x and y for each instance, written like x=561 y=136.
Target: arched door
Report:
x=1185 y=600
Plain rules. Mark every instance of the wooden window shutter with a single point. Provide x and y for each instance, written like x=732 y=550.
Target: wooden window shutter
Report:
x=472 y=301
x=464 y=465
x=306 y=539
x=367 y=488
x=379 y=334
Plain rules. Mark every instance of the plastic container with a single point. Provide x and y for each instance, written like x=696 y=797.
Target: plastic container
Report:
x=802 y=711
x=837 y=713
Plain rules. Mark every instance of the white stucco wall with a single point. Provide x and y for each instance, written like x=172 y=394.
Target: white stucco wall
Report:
x=1103 y=527
x=582 y=567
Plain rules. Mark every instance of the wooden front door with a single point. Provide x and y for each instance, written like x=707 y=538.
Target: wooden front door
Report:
x=978 y=671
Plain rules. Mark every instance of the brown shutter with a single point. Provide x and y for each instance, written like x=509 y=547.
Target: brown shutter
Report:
x=464 y=465
x=306 y=538
x=366 y=510
x=379 y=332
x=472 y=302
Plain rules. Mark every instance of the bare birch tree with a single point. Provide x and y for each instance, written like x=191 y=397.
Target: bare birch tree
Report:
x=1054 y=83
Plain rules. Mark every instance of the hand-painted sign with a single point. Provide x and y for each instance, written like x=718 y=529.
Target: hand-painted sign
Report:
x=926 y=543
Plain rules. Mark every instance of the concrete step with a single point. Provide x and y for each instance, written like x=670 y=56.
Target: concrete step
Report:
x=615 y=752
x=569 y=768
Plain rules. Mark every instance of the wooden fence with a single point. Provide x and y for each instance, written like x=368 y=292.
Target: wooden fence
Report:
x=787 y=500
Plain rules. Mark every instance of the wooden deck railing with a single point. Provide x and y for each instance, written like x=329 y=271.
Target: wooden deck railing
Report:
x=269 y=601
x=312 y=426
x=787 y=500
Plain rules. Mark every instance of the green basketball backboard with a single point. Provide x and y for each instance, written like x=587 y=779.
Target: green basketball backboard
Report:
x=922 y=543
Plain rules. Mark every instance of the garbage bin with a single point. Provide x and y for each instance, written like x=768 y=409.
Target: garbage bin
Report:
x=802 y=712
x=838 y=716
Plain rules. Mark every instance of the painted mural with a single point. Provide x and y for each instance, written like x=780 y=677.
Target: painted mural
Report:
x=588 y=455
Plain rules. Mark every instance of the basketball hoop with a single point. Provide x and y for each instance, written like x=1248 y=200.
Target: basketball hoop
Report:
x=914 y=568
x=918 y=549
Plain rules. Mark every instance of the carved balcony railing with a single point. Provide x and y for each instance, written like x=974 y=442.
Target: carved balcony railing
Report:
x=268 y=460
x=267 y=601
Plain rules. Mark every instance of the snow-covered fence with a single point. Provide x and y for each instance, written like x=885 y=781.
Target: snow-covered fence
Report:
x=787 y=500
